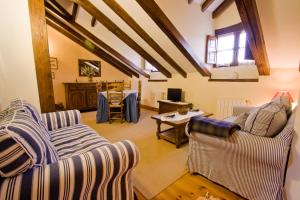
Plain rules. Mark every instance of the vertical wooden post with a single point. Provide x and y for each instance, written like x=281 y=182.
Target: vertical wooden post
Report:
x=41 y=54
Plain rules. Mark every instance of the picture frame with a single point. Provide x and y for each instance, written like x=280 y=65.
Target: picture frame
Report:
x=53 y=63
x=85 y=66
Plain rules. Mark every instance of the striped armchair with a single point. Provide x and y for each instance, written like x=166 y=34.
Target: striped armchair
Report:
x=88 y=166
x=251 y=166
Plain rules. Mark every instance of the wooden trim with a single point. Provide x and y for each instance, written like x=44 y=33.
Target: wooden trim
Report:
x=157 y=80
x=74 y=12
x=206 y=5
x=99 y=42
x=233 y=80
x=87 y=44
x=93 y=22
x=162 y=21
x=221 y=8
x=41 y=55
x=149 y=108
x=230 y=29
x=251 y=22
x=143 y=34
x=105 y=21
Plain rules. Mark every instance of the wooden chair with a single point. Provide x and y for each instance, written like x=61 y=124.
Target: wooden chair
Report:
x=115 y=100
x=127 y=85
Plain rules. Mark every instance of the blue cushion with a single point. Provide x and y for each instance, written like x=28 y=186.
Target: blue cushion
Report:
x=23 y=144
x=30 y=109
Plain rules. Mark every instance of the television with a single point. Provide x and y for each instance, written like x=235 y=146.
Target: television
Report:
x=174 y=94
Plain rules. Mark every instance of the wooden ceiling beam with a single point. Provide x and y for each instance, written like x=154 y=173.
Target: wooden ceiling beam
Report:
x=251 y=22
x=162 y=21
x=74 y=12
x=102 y=44
x=143 y=34
x=87 y=44
x=41 y=55
x=221 y=8
x=190 y=1
x=93 y=22
x=55 y=4
x=105 y=21
x=206 y=5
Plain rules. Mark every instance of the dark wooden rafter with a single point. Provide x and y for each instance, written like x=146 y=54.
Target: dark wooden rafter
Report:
x=190 y=1
x=251 y=22
x=105 y=21
x=93 y=22
x=100 y=43
x=221 y=8
x=59 y=7
x=143 y=34
x=162 y=21
x=87 y=44
x=206 y=4
x=41 y=55
x=74 y=12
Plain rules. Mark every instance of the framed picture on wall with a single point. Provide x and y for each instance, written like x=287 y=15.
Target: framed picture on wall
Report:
x=89 y=68
x=53 y=63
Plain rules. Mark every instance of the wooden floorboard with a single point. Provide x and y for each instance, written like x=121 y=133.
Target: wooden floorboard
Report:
x=192 y=187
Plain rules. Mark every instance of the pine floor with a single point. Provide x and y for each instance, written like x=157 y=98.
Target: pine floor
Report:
x=191 y=187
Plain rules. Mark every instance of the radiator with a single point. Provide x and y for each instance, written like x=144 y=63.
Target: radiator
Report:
x=225 y=106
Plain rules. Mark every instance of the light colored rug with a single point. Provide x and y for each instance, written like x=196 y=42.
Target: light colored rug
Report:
x=161 y=163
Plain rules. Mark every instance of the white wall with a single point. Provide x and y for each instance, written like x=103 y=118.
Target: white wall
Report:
x=204 y=94
x=17 y=68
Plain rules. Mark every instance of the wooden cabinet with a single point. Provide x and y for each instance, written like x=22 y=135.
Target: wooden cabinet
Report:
x=81 y=96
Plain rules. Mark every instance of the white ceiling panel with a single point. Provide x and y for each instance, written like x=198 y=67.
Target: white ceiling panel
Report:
x=131 y=33
x=84 y=19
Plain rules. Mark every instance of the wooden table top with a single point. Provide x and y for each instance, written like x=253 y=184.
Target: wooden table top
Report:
x=178 y=122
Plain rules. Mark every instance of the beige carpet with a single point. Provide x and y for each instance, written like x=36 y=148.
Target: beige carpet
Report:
x=161 y=163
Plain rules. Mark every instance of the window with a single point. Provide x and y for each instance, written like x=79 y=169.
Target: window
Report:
x=229 y=47
x=150 y=67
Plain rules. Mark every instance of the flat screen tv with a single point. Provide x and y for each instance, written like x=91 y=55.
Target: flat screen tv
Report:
x=174 y=94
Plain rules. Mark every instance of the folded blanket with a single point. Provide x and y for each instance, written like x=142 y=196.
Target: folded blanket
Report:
x=212 y=126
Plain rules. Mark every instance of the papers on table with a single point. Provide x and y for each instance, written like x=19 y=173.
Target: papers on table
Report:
x=179 y=117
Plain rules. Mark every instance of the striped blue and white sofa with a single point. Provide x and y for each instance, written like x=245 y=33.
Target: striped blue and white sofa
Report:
x=249 y=165
x=54 y=156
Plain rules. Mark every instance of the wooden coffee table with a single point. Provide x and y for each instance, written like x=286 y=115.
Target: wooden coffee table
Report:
x=176 y=134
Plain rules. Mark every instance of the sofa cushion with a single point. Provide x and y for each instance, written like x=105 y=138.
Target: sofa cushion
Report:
x=267 y=120
x=61 y=119
x=241 y=119
x=31 y=110
x=23 y=144
x=286 y=101
x=74 y=140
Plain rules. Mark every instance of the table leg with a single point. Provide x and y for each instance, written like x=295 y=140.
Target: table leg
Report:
x=179 y=130
x=158 y=131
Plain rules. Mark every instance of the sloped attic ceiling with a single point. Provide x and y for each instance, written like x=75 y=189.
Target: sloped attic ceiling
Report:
x=196 y=39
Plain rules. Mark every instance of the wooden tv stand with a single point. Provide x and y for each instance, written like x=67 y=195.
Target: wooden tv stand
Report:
x=169 y=106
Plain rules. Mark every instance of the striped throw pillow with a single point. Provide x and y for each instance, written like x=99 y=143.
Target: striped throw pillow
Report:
x=30 y=109
x=267 y=120
x=23 y=145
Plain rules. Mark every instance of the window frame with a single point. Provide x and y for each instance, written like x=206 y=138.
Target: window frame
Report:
x=236 y=30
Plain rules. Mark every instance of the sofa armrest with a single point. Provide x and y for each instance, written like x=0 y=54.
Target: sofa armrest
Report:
x=61 y=119
x=239 y=109
x=103 y=173
x=242 y=144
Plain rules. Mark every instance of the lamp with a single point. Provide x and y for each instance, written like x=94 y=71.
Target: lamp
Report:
x=283 y=93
